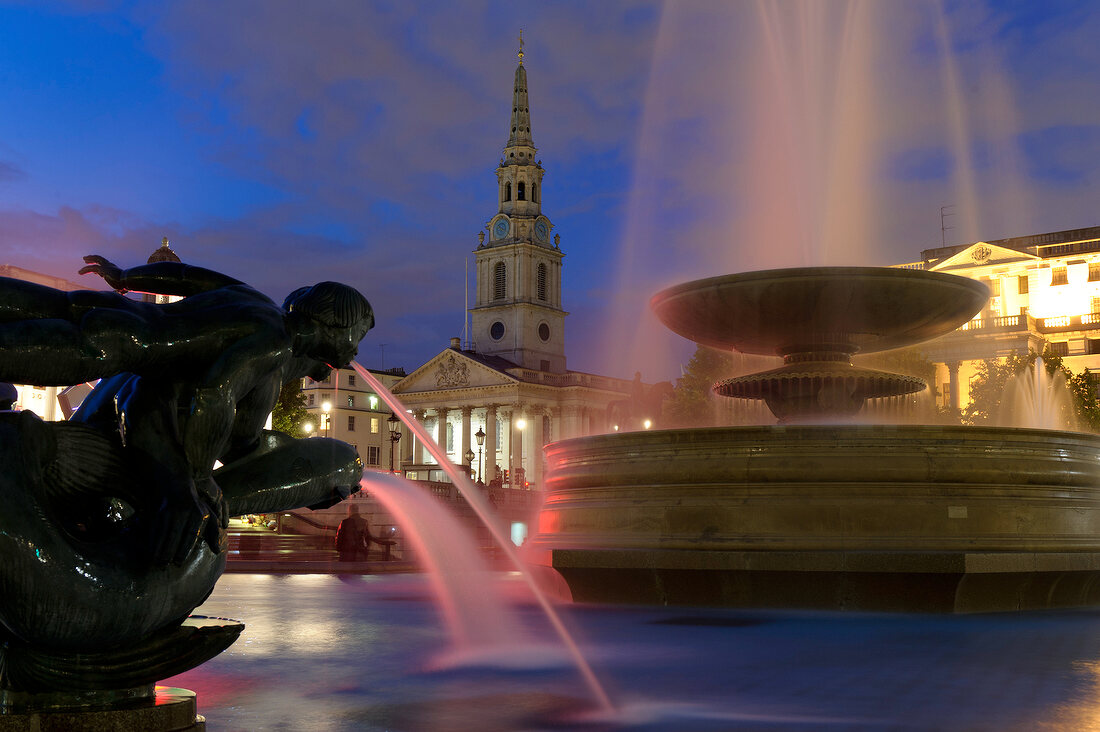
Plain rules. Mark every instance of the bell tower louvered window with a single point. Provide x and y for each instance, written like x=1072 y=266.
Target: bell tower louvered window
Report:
x=541 y=274
x=500 y=279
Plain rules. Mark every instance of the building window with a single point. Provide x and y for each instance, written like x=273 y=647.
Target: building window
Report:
x=1021 y=284
x=309 y=400
x=374 y=424
x=1093 y=346
x=373 y=451
x=1058 y=276
x=351 y=424
x=1023 y=310
x=351 y=401
x=1094 y=271
x=373 y=401
x=546 y=436
x=1060 y=349
x=496 y=330
x=450 y=437
x=500 y=279
x=541 y=281
x=534 y=193
x=1095 y=304
x=995 y=287
x=351 y=379
x=508 y=191
x=500 y=435
x=520 y=194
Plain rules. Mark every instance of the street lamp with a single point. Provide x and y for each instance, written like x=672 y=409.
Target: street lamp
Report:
x=307 y=428
x=395 y=434
x=325 y=417
x=480 y=437
x=469 y=455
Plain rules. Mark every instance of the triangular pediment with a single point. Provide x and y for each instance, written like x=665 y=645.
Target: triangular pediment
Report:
x=451 y=369
x=983 y=254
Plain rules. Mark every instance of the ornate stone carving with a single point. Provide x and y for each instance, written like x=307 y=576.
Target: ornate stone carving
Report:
x=452 y=372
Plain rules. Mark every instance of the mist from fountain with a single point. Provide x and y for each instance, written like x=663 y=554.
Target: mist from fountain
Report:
x=1036 y=399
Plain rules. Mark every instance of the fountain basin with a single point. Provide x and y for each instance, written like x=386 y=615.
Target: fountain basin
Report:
x=819 y=309
x=899 y=517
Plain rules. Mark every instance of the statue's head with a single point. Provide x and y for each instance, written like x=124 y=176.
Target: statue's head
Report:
x=340 y=315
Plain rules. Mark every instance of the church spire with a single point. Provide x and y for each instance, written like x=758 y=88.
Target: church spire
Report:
x=521 y=117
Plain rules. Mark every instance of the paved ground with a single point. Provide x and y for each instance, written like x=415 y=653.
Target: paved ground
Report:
x=351 y=652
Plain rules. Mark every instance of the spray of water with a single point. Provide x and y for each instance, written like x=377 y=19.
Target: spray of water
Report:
x=1033 y=398
x=485 y=513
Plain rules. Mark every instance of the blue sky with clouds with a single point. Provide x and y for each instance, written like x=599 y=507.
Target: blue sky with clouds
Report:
x=286 y=143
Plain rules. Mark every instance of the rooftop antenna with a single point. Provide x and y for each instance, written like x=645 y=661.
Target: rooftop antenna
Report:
x=944 y=215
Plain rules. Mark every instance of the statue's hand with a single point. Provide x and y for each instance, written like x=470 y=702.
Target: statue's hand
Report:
x=110 y=272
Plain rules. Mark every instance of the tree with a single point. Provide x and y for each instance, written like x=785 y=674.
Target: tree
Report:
x=290 y=412
x=691 y=402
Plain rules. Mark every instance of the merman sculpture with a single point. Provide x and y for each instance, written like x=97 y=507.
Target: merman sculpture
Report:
x=113 y=523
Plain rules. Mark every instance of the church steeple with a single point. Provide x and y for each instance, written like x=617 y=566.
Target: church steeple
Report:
x=521 y=116
x=518 y=312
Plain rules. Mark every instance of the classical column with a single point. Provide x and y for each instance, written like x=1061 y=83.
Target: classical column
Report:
x=953 y=383
x=538 y=439
x=490 y=442
x=515 y=433
x=465 y=441
x=441 y=429
x=418 y=445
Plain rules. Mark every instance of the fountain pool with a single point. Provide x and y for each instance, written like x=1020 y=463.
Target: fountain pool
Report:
x=360 y=662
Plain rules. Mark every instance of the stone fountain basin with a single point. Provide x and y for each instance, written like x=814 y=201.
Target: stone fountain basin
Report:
x=819 y=308
x=902 y=517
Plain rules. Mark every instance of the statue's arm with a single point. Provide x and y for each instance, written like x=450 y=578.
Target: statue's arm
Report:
x=162 y=278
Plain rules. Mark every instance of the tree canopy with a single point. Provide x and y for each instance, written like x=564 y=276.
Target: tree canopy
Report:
x=289 y=414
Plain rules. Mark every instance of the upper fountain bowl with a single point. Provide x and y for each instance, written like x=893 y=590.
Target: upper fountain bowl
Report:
x=819 y=309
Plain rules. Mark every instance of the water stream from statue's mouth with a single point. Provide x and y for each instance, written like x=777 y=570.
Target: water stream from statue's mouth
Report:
x=485 y=513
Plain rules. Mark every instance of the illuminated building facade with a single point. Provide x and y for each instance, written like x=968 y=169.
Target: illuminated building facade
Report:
x=1045 y=293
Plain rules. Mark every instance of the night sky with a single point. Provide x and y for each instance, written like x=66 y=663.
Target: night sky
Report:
x=285 y=143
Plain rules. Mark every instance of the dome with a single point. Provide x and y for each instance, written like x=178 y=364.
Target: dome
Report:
x=163 y=253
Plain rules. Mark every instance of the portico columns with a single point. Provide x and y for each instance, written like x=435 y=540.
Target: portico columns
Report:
x=516 y=434
x=418 y=445
x=465 y=441
x=953 y=383
x=490 y=442
x=441 y=429
x=538 y=439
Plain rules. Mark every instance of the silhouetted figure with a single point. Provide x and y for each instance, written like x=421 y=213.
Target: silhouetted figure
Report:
x=8 y=397
x=353 y=537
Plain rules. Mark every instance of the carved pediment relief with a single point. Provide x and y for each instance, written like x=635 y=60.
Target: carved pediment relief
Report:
x=450 y=372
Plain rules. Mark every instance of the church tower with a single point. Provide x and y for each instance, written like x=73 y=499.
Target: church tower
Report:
x=517 y=312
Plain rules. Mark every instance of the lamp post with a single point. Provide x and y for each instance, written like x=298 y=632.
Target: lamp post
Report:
x=395 y=435
x=325 y=417
x=480 y=437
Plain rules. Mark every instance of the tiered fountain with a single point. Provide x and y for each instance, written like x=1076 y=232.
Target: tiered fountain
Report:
x=815 y=512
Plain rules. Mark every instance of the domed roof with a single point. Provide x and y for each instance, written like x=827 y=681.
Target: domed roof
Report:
x=163 y=253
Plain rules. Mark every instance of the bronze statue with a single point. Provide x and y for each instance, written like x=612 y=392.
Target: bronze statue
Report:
x=113 y=527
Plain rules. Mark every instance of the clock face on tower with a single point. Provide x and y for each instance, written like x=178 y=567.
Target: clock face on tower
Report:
x=500 y=228
x=540 y=230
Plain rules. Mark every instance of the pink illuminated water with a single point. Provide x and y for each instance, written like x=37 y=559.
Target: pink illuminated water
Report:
x=472 y=606
x=487 y=515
